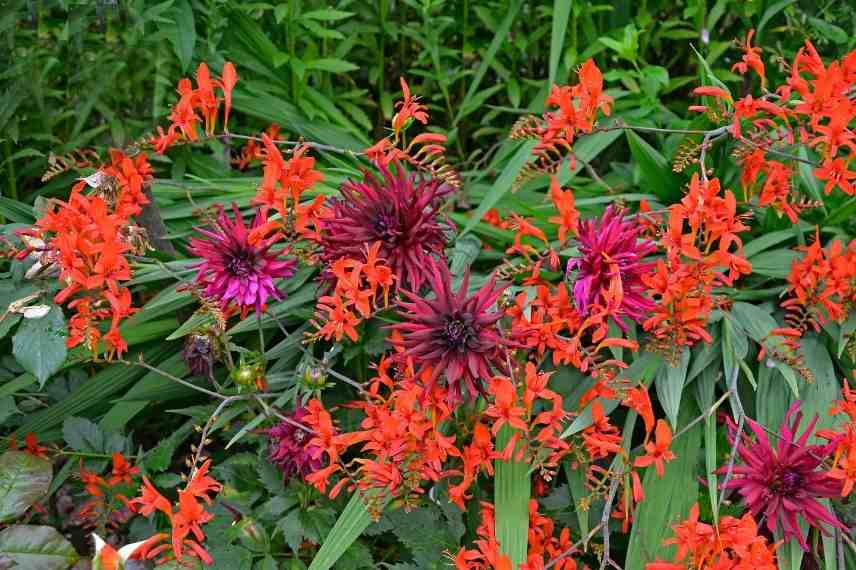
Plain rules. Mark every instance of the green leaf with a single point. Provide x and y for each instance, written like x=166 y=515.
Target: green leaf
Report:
x=37 y=548
x=332 y=65
x=670 y=385
x=561 y=13
x=326 y=14
x=355 y=518
x=817 y=396
x=511 y=499
x=502 y=184
x=181 y=31
x=499 y=37
x=667 y=500
x=577 y=489
x=657 y=175
x=24 y=479
x=705 y=389
x=775 y=263
x=465 y=251
x=769 y=13
x=39 y=346
x=86 y=436
x=709 y=72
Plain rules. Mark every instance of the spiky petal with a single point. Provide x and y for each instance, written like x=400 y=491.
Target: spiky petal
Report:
x=452 y=333
x=783 y=482
x=290 y=449
x=610 y=261
x=400 y=211
x=233 y=270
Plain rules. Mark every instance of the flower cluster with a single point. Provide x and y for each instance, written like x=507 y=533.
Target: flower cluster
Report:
x=361 y=287
x=702 y=236
x=89 y=238
x=814 y=106
x=733 y=544
x=543 y=546
x=572 y=109
x=187 y=520
x=199 y=104
x=821 y=285
x=108 y=505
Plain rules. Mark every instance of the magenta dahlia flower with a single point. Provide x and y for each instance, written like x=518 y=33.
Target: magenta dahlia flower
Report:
x=289 y=448
x=609 y=249
x=235 y=270
x=452 y=333
x=784 y=482
x=398 y=210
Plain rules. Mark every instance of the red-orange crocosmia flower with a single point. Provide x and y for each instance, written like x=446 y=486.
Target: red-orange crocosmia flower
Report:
x=658 y=452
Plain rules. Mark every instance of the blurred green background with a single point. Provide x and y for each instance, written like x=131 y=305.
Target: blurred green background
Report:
x=102 y=73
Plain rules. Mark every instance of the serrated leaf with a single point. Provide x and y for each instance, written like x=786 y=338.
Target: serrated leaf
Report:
x=24 y=480
x=39 y=345
x=37 y=548
x=83 y=435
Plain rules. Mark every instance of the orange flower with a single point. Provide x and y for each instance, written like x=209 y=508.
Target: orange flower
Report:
x=408 y=108
x=751 y=58
x=568 y=217
x=122 y=470
x=504 y=409
x=637 y=399
x=658 y=452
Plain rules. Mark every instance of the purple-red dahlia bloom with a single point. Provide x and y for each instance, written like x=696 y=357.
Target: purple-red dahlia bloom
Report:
x=610 y=249
x=235 y=270
x=452 y=333
x=290 y=449
x=399 y=210
x=783 y=482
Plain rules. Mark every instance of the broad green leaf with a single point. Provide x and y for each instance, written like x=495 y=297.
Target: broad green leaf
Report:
x=36 y=548
x=181 y=31
x=561 y=13
x=464 y=252
x=809 y=180
x=817 y=396
x=326 y=14
x=39 y=344
x=353 y=520
x=657 y=175
x=667 y=500
x=24 y=479
x=670 y=386
x=332 y=65
x=774 y=263
x=511 y=500
x=578 y=491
